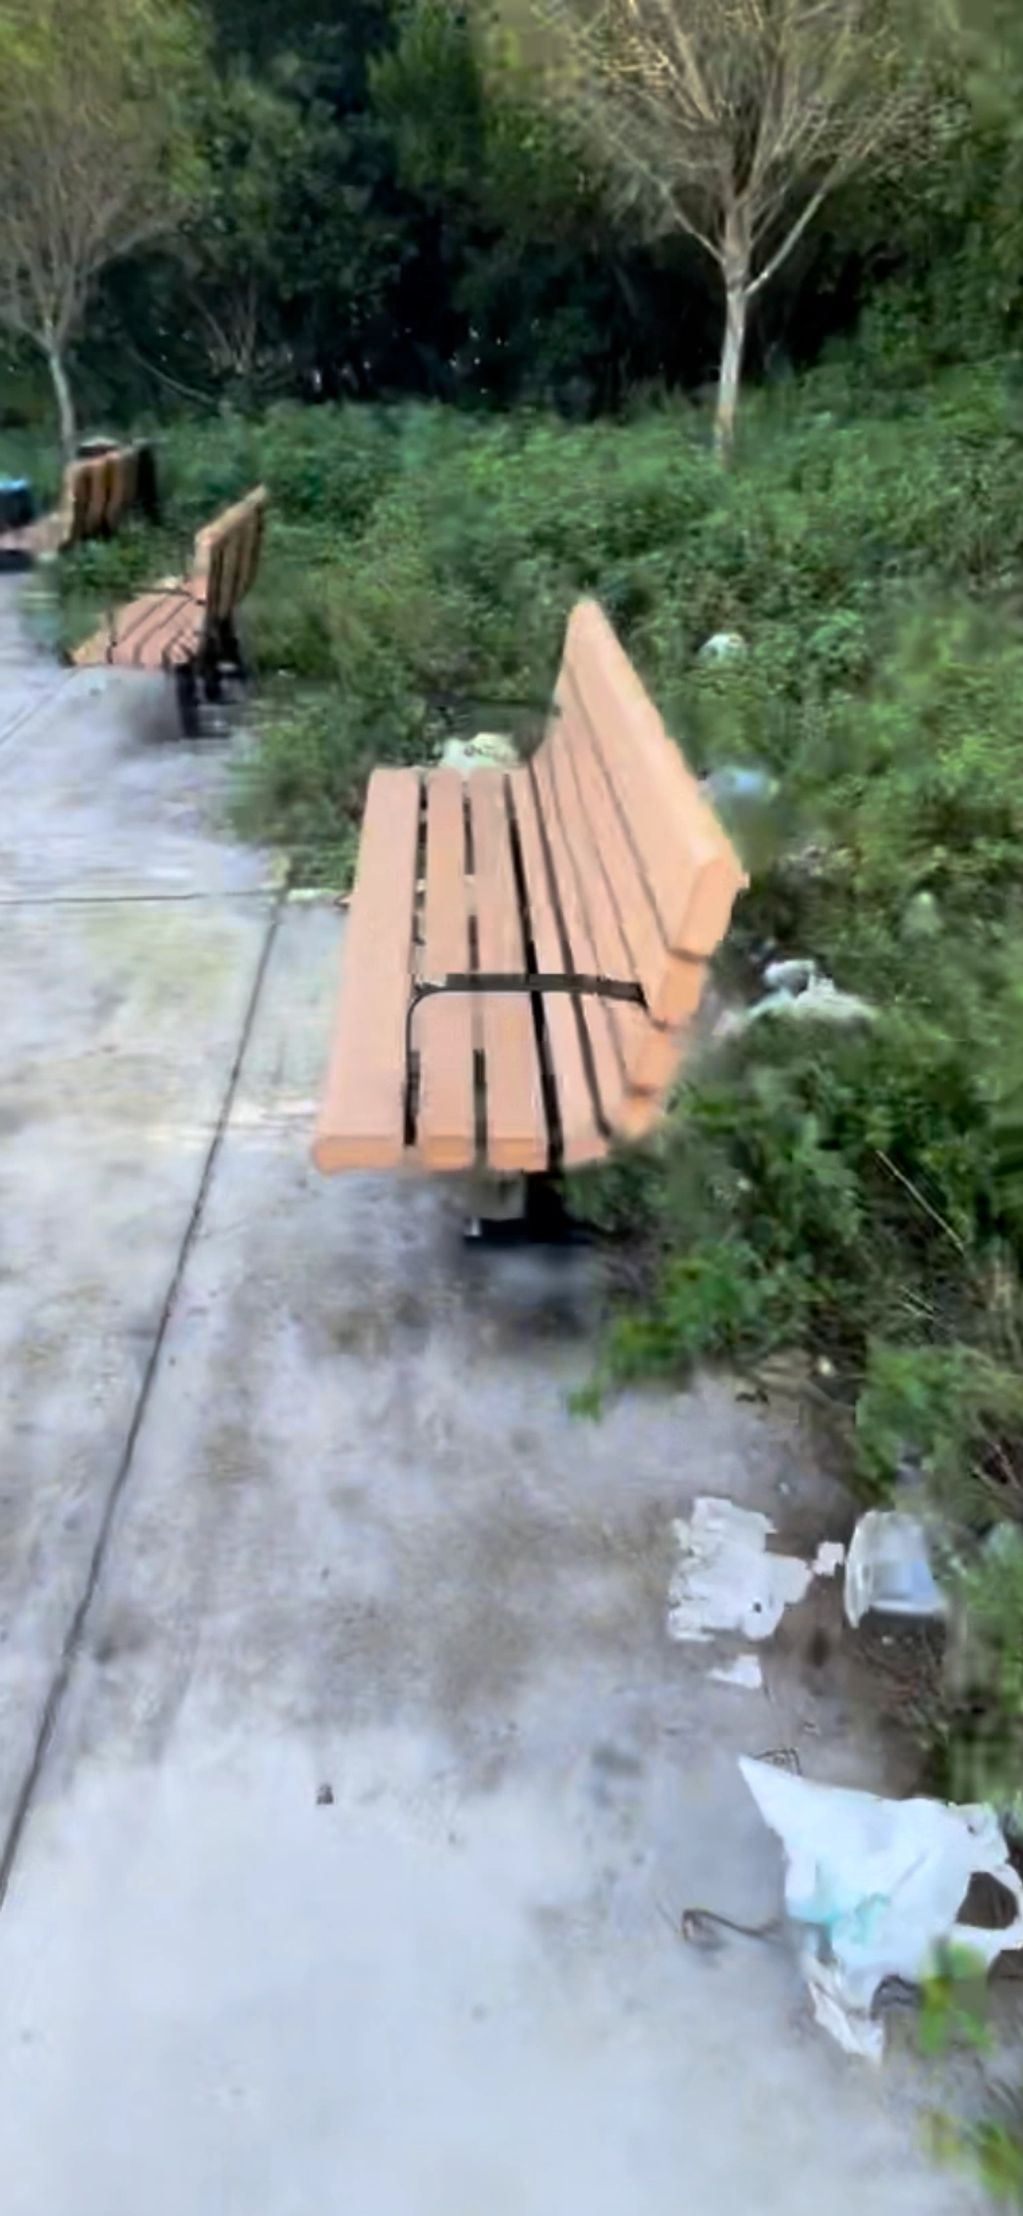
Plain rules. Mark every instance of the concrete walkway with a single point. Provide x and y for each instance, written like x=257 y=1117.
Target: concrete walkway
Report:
x=349 y=1779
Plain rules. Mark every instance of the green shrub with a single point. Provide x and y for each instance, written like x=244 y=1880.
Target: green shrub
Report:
x=320 y=465
x=303 y=784
x=716 y=1299
x=954 y=1412
x=327 y=465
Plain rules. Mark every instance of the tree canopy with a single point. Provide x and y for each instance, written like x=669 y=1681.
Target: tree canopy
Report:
x=378 y=202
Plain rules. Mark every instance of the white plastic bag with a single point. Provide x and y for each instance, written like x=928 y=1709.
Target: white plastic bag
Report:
x=889 y=1568
x=879 y=1883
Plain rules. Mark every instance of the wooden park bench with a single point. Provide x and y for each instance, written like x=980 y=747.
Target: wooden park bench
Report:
x=526 y=949
x=96 y=492
x=186 y=626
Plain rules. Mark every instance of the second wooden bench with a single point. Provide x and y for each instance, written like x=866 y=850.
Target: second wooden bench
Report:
x=97 y=490
x=187 y=627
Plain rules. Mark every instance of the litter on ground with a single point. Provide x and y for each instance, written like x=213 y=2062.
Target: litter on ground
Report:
x=725 y=1578
x=745 y=1672
x=889 y=1568
x=878 y=1885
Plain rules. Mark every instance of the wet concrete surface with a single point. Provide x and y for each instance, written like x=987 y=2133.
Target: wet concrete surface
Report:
x=372 y=1785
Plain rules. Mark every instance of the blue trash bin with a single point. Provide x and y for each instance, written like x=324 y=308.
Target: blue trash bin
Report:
x=17 y=505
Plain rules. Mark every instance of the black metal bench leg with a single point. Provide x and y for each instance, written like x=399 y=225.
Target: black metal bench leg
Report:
x=547 y=1217
x=542 y=1220
x=188 y=699
x=230 y=648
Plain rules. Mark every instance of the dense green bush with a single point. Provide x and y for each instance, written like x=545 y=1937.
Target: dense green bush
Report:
x=324 y=466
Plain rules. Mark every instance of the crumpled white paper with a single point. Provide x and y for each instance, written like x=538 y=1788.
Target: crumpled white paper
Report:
x=727 y=1579
x=879 y=1884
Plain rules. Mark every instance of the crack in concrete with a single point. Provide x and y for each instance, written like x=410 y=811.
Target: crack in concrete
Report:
x=17 y=723
x=79 y=1621
x=127 y=900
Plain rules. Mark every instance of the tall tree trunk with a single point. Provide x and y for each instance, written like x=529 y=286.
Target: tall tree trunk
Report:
x=736 y=310
x=735 y=261
x=65 y=402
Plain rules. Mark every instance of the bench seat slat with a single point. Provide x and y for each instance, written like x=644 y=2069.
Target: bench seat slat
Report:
x=598 y=900
x=683 y=856
x=443 y=1025
x=151 y=624
x=617 y=890
x=146 y=630
x=362 y=1121
x=517 y=1137
x=581 y=1138
x=642 y=943
x=600 y=1019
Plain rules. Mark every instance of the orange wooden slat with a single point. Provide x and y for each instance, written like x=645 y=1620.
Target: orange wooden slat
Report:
x=582 y=1139
x=362 y=1121
x=614 y=892
x=599 y=1019
x=77 y=494
x=517 y=1137
x=108 y=478
x=611 y=950
x=217 y=541
x=185 y=644
x=134 y=626
x=129 y=485
x=568 y=750
x=222 y=599
x=689 y=866
x=253 y=543
x=144 y=630
x=174 y=638
x=92 y=497
x=443 y=1025
x=635 y=924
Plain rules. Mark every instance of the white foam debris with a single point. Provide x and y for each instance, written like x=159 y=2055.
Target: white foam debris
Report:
x=745 y=1672
x=725 y=1580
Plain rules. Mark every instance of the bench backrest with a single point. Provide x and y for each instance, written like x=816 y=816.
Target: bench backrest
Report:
x=99 y=488
x=227 y=555
x=642 y=863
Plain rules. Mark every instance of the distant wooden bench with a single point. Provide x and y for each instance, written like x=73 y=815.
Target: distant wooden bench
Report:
x=186 y=626
x=97 y=490
x=526 y=949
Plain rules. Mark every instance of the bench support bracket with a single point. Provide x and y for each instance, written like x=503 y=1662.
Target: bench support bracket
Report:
x=527 y=981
